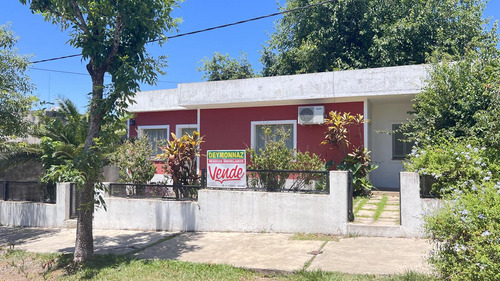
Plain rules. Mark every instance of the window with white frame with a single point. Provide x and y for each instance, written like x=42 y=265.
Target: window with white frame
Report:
x=157 y=135
x=185 y=129
x=400 y=144
x=259 y=136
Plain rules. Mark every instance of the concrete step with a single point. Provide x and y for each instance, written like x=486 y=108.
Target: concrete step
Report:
x=71 y=223
x=371 y=230
x=388 y=193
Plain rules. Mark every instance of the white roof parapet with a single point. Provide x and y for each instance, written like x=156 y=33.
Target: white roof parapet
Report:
x=159 y=100
x=384 y=81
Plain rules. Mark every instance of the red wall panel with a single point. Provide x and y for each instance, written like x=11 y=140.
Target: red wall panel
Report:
x=230 y=128
x=171 y=118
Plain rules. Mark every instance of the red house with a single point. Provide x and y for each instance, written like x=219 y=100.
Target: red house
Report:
x=231 y=114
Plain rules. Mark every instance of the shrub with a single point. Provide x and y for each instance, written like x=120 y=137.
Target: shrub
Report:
x=358 y=162
x=180 y=162
x=133 y=159
x=277 y=156
x=454 y=163
x=356 y=159
x=466 y=234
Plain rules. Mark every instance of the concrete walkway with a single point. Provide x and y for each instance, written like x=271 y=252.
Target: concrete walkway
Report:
x=364 y=211
x=249 y=250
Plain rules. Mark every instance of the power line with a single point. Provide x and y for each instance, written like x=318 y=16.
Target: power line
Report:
x=245 y=21
x=57 y=58
x=210 y=28
x=59 y=71
x=85 y=74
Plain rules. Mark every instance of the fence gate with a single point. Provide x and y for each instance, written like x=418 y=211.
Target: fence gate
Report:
x=74 y=202
x=350 y=194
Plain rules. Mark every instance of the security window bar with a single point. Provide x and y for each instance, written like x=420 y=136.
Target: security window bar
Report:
x=261 y=137
x=401 y=147
x=157 y=137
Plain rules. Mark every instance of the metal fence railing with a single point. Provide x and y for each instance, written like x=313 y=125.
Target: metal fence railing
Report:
x=31 y=191
x=257 y=180
x=74 y=201
x=426 y=182
x=288 y=181
x=163 y=191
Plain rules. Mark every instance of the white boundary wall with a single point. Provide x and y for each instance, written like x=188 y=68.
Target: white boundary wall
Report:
x=227 y=210
x=31 y=214
x=414 y=208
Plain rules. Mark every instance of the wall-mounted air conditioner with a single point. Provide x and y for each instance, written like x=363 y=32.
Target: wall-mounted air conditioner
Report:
x=310 y=115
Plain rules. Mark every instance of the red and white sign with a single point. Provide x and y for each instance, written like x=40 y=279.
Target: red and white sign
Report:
x=226 y=168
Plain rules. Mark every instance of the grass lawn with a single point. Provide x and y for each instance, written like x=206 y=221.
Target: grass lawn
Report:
x=20 y=265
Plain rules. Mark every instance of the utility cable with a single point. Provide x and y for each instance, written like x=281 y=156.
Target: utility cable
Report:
x=84 y=74
x=210 y=28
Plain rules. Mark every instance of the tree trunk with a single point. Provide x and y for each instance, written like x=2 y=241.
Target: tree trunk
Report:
x=84 y=246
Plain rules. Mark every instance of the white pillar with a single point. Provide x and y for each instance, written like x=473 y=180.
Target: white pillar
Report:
x=339 y=181
x=62 y=202
x=411 y=204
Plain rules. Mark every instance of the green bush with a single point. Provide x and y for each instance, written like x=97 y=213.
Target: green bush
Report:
x=358 y=162
x=277 y=156
x=454 y=163
x=466 y=234
x=133 y=159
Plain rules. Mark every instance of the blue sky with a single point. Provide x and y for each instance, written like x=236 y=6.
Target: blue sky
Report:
x=44 y=40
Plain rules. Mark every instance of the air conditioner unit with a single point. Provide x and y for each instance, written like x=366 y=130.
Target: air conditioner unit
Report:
x=310 y=115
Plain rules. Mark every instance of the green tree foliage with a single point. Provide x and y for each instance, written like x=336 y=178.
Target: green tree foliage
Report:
x=223 y=67
x=350 y=34
x=456 y=114
x=112 y=36
x=15 y=85
x=460 y=98
x=456 y=145
x=133 y=159
x=63 y=133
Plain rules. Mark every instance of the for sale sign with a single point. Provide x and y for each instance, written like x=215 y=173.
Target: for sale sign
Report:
x=226 y=168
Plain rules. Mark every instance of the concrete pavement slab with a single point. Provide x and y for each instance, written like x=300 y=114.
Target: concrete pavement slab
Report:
x=105 y=241
x=374 y=255
x=250 y=250
x=18 y=235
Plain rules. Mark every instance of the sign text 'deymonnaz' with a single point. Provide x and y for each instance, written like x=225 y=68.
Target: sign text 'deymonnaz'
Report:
x=226 y=154
x=226 y=168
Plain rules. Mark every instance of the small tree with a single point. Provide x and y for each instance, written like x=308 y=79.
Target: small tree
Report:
x=133 y=159
x=180 y=162
x=15 y=86
x=112 y=36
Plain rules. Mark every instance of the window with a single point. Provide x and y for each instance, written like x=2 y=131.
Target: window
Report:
x=400 y=146
x=259 y=138
x=185 y=129
x=157 y=134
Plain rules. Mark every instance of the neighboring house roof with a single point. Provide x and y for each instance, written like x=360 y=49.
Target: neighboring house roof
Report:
x=290 y=89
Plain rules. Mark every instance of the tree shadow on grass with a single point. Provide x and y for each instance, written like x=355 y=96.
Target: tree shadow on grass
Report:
x=166 y=248
x=91 y=268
